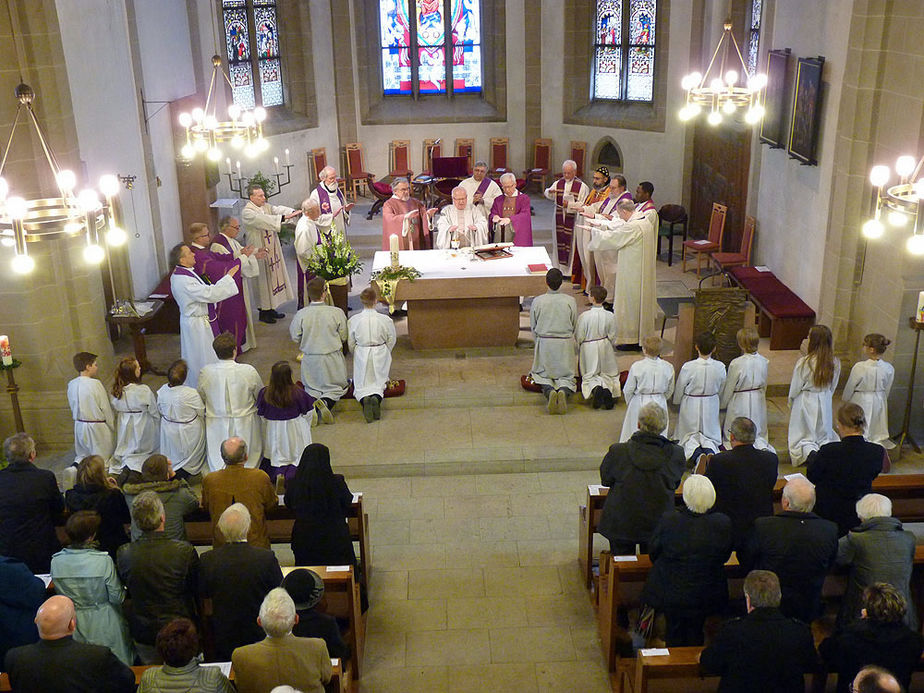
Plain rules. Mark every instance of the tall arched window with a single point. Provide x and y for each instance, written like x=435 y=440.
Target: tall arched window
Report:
x=417 y=35
x=757 y=7
x=252 y=31
x=624 y=50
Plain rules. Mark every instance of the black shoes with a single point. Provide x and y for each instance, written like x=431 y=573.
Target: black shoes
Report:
x=603 y=398
x=277 y=314
x=268 y=316
x=628 y=347
x=598 y=397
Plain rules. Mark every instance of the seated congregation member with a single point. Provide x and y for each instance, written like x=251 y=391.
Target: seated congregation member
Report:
x=642 y=474
x=880 y=635
x=88 y=577
x=651 y=379
x=239 y=484
x=553 y=317
x=137 y=419
x=744 y=478
x=697 y=392
x=182 y=424
x=95 y=490
x=29 y=504
x=481 y=189
x=765 y=651
x=878 y=550
x=595 y=334
x=58 y=663
x=177 y=644
x=869 y=384
x=307 y=591
x=320 y=331
x=253 y=572
x=745 y=389
x=460 y=225
x=157 y=476
x=229 y=390
x=873 y=679
x=21 y=594
x=509 y=219
x=371 y=337
x=814 y=378
x=843 y=472
x=281 y=657
x=407 y=218
x=94 y=422
x=161 y=574
x=688 y=550
x=799 y=547
x=287 y=411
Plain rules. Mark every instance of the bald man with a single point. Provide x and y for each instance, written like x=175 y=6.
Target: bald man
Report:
x=58 y=663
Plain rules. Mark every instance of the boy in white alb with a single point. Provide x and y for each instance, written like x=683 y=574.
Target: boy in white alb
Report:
x=697 y=392
x=745 y=389
x=320 y=331
x=182 y=424
x=596 y=337
x=371 y=338
x=94 y=422
x=552 y=317
x=650 y=380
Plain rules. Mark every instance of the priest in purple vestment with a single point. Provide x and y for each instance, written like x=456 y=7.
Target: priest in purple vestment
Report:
x=511 y=210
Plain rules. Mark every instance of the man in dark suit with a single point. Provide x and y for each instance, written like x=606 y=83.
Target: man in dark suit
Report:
x=29 y=503
x=57 y=662
x=237 y=576
x=799 y=547
x=765 y=651
x=743 y=478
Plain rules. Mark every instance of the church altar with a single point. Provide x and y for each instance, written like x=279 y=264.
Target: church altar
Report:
x=459 y=301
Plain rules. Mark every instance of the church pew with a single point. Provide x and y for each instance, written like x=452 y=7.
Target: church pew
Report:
x=906 y=491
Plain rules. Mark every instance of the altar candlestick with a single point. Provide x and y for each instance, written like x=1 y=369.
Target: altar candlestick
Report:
x=5 y=350
x=276 y=164
x=228 y=163
x=288 y=163
x=239 y=170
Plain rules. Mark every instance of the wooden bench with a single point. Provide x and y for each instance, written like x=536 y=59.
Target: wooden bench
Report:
x=783 y=316
x=680 y=662
x=906 y=491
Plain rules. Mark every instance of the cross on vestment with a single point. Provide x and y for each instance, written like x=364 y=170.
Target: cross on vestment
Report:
x=274 y=262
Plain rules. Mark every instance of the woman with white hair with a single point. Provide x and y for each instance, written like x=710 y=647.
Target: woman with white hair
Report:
x=878 y=550
x=689 y=548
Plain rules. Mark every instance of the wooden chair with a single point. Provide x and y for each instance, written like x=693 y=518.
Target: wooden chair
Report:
x=465 y=146
x=712 y=244
x=317 y=162
x=431 y=148
x=499 y=147
x=579 y=155
x=357 y=176
x=670 y=216
x=725 y=261
x=399 y=159
x=542 y=157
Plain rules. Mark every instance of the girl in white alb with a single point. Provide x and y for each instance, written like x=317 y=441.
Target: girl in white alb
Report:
x=868 y=386
x=137 y=417
x=810 y=392
x=745 y=390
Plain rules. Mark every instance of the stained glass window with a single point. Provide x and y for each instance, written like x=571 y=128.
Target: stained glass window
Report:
x=624 y=50
x=754 y=35
x=415 y=48
x=252 y=31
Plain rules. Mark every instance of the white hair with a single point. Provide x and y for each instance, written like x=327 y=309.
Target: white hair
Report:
x=508 y=177
x=569 y=162
x=459 y=187
x=800 y=494
x=873 y=505
x=309 y=203
x=652 y=418
x=277 y=613
x=326 y=171
x=482 y=164
x=698 y=493
x=625 y=206
x=285 y=689
x=234 y=523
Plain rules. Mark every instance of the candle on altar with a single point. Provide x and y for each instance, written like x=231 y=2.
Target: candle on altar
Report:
x=288 y=163
x=5 y=350
x=393 y=249
x=919 y=315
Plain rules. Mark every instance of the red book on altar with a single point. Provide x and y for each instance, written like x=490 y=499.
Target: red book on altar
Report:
x=540 y=268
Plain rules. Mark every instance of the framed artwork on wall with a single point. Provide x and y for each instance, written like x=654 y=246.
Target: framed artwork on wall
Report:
x=806 y=110
x=771 y=128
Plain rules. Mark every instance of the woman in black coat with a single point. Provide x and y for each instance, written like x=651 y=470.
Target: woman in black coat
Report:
x=688 y=550
x=95 y=490
x=843 y=472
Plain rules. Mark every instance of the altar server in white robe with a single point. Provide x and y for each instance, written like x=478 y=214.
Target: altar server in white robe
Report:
x=596 y=335
x=698 y=386
x=635 y=301
x=94 y=422
x=226 y=243
x=553 y=317
x=868 y=386
x=745 y=389
x=605 y=210
x=481 y=189
x=814 y=378
x=334 y=210
x=460 y=222
x=651 y=379
x=371 y=338
x=182 y=422
x=137 y=418
x=198 y=317
x=308 y=236
x=229 y=390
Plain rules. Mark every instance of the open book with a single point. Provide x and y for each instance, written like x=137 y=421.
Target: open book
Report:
x=493 y=251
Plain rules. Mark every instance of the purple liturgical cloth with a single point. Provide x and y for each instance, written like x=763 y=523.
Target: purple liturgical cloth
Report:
x=213 y=312
x=521 y=220
x=232 y=312
x=485 y=182
x=324 y=198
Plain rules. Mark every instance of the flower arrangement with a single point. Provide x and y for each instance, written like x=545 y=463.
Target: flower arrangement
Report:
x=387 y=280
x=334 y=258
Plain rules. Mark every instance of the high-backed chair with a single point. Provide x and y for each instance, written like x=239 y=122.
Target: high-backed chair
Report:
x=579 y=155
x=399 y=159
x=499 y=147
x=317 y=162
x=357 y=175
x=670 y=218
x=382 y=193
x=712 y=244
x=542 y=157
x=465 y=146
x=431 y=148
x=725 y=261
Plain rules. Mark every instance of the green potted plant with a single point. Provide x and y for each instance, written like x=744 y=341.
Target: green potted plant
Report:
x=335 y=261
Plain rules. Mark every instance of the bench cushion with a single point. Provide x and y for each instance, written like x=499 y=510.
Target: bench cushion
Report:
x=773 y=295
x=786 y=305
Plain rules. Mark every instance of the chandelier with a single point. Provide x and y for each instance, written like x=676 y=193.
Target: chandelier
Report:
x=23 y=221
x=204 y=131
x=727 y=89
x=903 y=201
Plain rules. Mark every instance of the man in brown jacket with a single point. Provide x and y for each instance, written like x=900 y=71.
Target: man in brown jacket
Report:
x=239 y=484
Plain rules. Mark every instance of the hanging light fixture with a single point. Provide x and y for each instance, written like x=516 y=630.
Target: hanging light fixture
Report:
x=23 y=221
x=204 y=131
x=902 y=200
x=727 y=89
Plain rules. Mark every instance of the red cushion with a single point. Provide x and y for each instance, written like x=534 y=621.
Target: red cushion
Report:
x=527 y=384
x=787 y=305
x=359 y=174
x=729 y=258
x=701 y=247
x=382 y=188
x=743 y=273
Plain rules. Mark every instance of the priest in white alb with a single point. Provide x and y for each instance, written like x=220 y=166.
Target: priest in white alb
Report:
x=481 y=190
x=226 y=243
x=604 y=261
x=568 y=193
x=460 y=223
x=309 y=234
x=334 y=210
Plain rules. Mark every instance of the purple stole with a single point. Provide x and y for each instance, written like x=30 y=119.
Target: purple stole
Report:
x=231 y=312
x=324 y=198
x=609 y=204
x=564 y=223
x=485 y=182
x=307 y=275
x=213 y=311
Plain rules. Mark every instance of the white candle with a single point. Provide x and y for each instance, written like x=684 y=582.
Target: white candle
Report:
x=238 y=170
x=5 y=350
x=288 y=163
x=228 y=163
x=276 y=163
x=393 y=243
x=919 y=316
